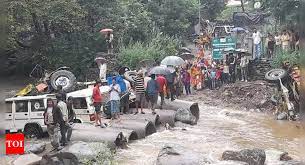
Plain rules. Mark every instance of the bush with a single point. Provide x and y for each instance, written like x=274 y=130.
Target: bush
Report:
x=155 y=48
x=281 y=57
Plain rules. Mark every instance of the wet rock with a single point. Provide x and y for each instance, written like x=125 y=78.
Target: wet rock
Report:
x=185 y=116
x=35 y=148
x=285 y=157
x=90 y=152
x=291 y=162
x=176 y=155
x=59 y=158
x=27 y=159
x=282 y=116
x=274 y=156
x=252 y=157
x=234 y=114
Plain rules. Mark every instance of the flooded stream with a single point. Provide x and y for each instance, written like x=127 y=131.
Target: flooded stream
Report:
x=219 y=130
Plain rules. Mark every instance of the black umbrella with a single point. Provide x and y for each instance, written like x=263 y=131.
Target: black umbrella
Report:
x=187 y=56
x=159 y=70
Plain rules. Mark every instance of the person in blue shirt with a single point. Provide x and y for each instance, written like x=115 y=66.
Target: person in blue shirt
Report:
x=152 y=90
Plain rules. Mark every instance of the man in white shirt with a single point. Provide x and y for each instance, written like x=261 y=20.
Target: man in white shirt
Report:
x=257 y=39
x=285 y=38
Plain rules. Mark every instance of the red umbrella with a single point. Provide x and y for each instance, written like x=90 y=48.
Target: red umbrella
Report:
x=106 y=31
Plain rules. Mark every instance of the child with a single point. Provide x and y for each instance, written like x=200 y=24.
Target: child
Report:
x=213 y=78
x=225 y=73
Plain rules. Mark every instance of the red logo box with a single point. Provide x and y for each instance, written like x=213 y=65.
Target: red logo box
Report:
x=14 y=143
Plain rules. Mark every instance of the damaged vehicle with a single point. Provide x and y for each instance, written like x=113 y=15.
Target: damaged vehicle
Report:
x=287 y=98
x=26 y=113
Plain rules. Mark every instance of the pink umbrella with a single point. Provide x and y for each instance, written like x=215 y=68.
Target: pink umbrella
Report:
x=106 y=31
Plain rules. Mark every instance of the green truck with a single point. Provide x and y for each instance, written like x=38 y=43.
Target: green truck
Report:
x=222 y=41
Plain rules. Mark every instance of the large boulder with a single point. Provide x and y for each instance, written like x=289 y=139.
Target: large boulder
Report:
x=252 y=157
x=27 y=159
x=185 y=116
x=177 y=155
x=90 y=152
x=282 y=116
x=35 y=148
x=79 y=153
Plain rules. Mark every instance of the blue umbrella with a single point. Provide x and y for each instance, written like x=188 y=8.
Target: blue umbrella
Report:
x=239 y=29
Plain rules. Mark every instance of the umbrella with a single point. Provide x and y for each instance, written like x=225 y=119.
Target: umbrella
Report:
x=100 y=59
x=160 y=70
x=238 y=29
x=185 y=49
x=106 y=31
x=187 y=56
x=172 y=61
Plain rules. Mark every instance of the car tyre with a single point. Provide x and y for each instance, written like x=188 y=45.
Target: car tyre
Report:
x=33 y=130
x=275 y=74
x=64 y=78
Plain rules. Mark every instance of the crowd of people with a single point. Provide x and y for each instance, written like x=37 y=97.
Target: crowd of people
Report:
x=286 y=41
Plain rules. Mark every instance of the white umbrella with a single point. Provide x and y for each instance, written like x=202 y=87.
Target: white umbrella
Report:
x=172 y=61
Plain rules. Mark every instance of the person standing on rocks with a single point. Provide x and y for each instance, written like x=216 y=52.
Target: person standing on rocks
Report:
x=257 y=40
x=232 y=64
x=140 y=92
x=115 y=91
x=285 y=38
x=64 y=126
x=244 y=67
x=97 y=103
x=170 y=84
x=186 y=80
x=152 y=92
x=53 y=119
x=162 y=84
x=71 y=116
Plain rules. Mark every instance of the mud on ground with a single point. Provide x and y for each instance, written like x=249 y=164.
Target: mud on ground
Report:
x=254 y=96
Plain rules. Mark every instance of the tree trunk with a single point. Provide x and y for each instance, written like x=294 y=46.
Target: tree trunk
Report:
x=242 y=5
x=36 y=23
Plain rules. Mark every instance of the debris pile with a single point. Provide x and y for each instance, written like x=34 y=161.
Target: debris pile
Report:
x=252 y=95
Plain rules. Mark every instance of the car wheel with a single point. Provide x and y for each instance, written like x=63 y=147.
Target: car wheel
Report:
x=32 y=130
x=64 y=78
x=276 y=74
x=77 y=121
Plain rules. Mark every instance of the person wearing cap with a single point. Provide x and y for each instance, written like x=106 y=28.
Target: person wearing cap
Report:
x=140 y=91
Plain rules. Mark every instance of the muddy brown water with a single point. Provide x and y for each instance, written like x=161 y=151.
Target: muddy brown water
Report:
x=215 y=132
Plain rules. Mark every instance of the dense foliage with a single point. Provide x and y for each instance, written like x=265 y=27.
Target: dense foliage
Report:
x=66 y=32
x=157 y=47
